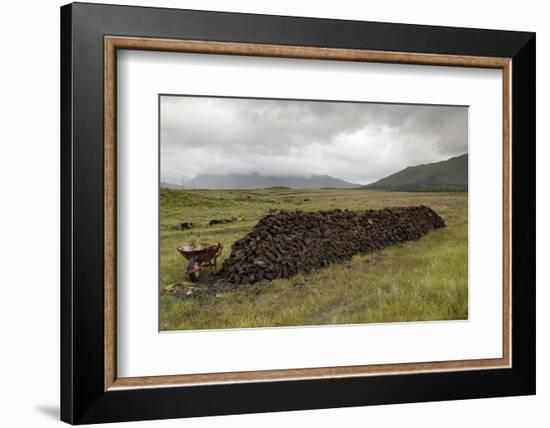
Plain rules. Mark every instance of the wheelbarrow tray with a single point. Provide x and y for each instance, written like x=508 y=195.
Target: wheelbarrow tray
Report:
x=201 y=252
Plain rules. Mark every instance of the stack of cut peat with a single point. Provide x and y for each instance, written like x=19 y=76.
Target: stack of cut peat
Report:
x=286 y=243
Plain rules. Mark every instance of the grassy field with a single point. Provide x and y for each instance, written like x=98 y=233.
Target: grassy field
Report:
x=416 y=281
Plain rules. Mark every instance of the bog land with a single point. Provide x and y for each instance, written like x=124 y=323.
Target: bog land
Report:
x=422 y=280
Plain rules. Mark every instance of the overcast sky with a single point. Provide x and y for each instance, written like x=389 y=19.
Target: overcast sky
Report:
x=356 y=142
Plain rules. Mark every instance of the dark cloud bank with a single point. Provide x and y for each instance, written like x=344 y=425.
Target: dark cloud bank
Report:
x=356 y=142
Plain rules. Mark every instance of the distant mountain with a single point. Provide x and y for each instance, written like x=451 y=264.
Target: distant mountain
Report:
x=256 y=181
x=169 y=185
x=451 y=174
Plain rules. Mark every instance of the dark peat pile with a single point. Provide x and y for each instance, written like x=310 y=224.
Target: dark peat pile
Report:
x=290 y=242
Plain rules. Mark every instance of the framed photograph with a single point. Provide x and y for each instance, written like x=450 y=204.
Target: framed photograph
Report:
x=265 y=213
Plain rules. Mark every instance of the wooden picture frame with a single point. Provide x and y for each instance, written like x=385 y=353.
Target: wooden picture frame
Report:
x=91 y=390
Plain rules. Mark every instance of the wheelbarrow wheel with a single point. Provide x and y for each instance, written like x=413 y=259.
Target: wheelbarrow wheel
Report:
x=193 y=269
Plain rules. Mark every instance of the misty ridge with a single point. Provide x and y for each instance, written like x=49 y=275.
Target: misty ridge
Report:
x=447 y=175
x=255 y=180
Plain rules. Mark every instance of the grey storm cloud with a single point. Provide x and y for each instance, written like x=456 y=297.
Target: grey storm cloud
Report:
x=357 y=142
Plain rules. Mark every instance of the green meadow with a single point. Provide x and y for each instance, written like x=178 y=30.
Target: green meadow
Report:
x=422 y=280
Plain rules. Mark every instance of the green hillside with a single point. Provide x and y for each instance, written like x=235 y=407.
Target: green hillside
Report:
x=448 y=175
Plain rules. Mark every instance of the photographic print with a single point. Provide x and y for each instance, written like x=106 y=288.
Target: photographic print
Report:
x=283 y=212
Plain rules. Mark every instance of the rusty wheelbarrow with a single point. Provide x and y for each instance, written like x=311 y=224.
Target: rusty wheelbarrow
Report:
x=199 y=255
